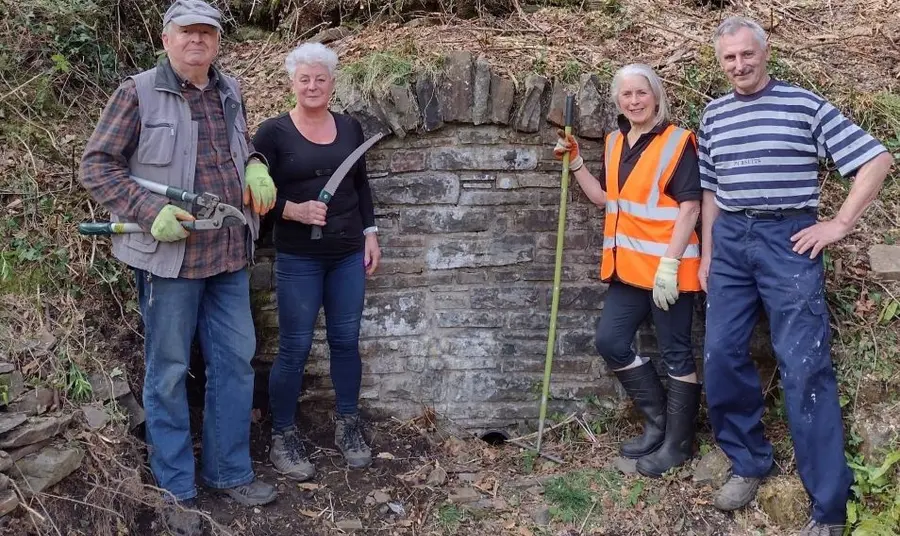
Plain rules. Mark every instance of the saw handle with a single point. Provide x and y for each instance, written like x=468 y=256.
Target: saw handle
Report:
x=324 y=197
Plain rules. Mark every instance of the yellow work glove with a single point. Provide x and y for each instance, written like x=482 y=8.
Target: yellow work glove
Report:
x=260 y=190
x=167 y=224
x=665 y=285
x=568 y=143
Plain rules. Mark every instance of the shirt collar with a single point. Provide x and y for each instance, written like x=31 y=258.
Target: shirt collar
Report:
x=625 y=125
x=170 y=78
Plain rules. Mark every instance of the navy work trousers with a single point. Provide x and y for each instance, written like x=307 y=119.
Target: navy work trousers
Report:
x=753 y=263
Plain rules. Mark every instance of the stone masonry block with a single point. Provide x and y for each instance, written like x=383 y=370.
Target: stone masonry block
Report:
x=506 y=298
x=445 y=220
x=484 y=158
x=457 y=88
x=416 y=188
x=511 y=249
x=394 y=314
x=481 y=112
x=503 y=96
x=429 y=104
x=528 y=116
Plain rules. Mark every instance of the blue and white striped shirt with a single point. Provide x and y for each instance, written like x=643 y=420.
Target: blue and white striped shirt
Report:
x=762 y=151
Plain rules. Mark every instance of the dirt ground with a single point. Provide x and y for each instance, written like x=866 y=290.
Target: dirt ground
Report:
x=427 y=480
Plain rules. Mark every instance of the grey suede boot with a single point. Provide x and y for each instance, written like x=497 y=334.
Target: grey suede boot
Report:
x=288 y=456
x=348 y=437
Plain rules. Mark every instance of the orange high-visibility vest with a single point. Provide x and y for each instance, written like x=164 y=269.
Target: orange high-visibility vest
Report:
x=640 y=219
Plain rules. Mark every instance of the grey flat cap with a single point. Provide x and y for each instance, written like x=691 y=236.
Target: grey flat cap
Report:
x=187 y=12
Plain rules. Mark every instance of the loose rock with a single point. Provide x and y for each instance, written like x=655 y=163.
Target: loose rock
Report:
x=885 y=261
x=331 y=34
x=46 y=468
x=463 y=495
x=133 y=408
x=6 y=368
x=96 y=417
x=380 y=497
x=6 y=461
x=437 y=477
x=8 y=502
x=349 y=524
x=8 y=421
x=712 y=469
x=541 y=516
x=35 y=430
x=106 y=387
x=625 y=465
x=36 y=402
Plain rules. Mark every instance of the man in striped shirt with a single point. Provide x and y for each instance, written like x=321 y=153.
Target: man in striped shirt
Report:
x=759 y=150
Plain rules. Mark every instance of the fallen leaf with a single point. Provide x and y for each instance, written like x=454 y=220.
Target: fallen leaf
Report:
x=308 y=486
x=385 y=456
x=309 y=513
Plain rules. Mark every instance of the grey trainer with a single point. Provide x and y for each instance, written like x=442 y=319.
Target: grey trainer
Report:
x=348 y=437
x=288 y=455
x=814 y=528
x=182 y=519
x=256 y=493
x=736 y=493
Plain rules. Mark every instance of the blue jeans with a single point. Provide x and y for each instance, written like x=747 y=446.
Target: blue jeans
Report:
x=304 y=284
x=753 y=263
x=217 y=310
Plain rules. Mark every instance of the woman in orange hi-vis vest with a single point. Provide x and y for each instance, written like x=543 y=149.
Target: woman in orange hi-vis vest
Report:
x=651 y=258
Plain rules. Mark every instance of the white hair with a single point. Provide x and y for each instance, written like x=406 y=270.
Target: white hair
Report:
x=309 y=54
x=732 y=25
x=656 y=86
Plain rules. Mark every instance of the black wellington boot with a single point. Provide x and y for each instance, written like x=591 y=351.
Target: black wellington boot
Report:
x=646 y=391
x=684 y=402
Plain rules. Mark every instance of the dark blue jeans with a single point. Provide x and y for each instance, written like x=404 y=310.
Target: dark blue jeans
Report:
x=753 y=264
x=217 y=310
x=305 y=284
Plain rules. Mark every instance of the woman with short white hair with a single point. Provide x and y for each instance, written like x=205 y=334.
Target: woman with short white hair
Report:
x=304 y=147
x=650 y=260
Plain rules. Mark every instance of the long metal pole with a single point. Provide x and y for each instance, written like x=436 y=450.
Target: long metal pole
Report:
x=557 y=274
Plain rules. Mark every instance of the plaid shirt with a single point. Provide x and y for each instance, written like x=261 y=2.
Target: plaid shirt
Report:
x=115 y=139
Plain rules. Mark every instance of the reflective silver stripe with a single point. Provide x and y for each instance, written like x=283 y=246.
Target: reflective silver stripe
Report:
x=668 y=153
x=611 y=207
x=610 y=144
x=645 y=246
x=643 y=211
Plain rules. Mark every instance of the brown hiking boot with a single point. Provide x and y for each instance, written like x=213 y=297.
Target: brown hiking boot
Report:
x=736 y=493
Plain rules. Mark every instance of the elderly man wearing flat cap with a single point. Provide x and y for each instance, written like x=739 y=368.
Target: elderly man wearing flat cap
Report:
x=183 y=124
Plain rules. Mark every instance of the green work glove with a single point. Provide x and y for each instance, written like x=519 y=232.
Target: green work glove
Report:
x=665 y=286
x=167 y=225
x=260 y=190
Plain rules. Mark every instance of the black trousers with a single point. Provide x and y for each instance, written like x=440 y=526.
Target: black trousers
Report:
x=625 y=308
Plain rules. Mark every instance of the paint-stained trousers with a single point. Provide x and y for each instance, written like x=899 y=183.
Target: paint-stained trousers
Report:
x=753 y=264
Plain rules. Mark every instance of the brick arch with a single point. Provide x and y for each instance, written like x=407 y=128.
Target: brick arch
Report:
x=467 y=197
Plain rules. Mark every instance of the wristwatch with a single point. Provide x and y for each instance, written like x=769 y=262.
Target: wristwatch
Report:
x=370 y=230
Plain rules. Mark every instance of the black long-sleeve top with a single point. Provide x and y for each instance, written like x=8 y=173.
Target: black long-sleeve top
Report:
x=300 y=169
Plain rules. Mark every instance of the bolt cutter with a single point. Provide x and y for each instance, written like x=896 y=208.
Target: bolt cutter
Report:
x=211 y=215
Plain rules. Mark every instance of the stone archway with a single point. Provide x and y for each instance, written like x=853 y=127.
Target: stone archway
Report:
x=467 y=198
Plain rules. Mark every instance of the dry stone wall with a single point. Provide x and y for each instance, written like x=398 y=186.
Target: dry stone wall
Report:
x=467 y=197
